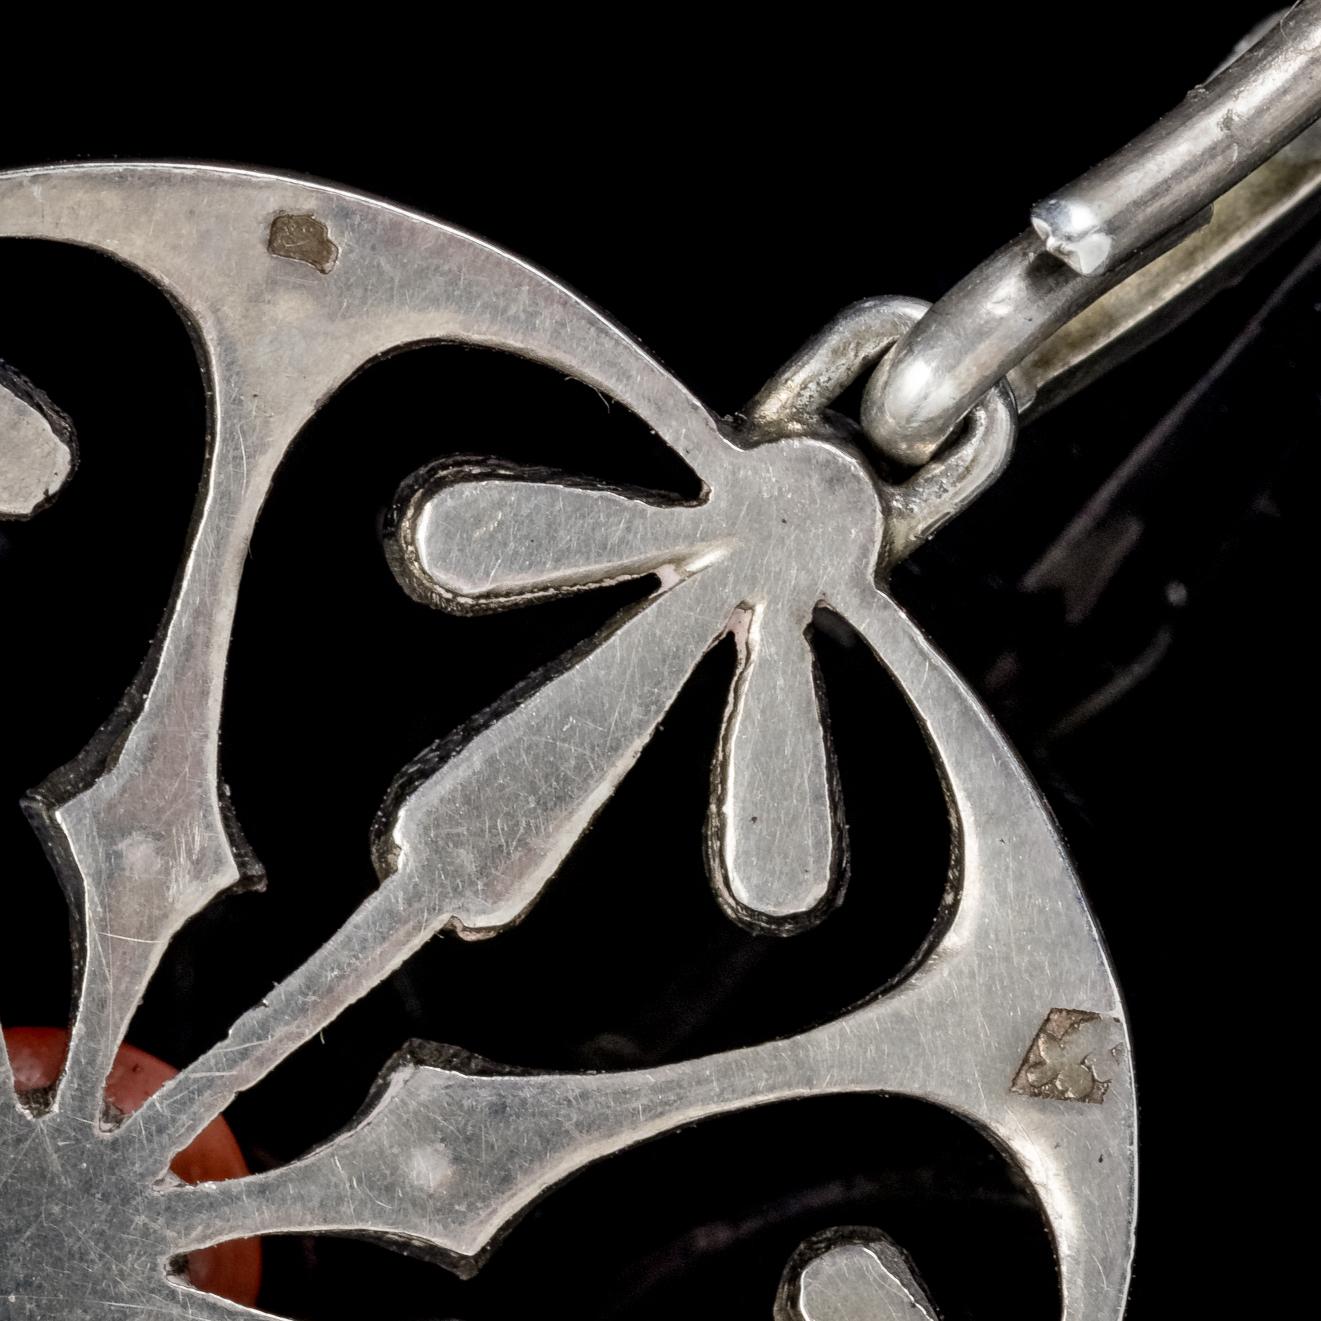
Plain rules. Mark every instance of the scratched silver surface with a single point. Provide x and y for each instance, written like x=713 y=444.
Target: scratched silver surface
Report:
x=1010 y=1019
x=851 y=1275
x=36 y=455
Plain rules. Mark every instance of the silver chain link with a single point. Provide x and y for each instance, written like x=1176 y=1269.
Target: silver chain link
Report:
x=1104 y=233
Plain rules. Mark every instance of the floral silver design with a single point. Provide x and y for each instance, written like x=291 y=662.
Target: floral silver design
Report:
x=450 y=1150
x=788 y=522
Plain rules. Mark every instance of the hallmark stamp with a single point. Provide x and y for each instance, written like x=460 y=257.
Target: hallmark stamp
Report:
x=1062 y=1062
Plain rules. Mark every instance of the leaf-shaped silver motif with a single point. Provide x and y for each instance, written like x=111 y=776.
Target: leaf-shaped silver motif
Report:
x=36 y=454
x=774 y=854
x=755 y=557
x=451 y=1151
x=851 y=1275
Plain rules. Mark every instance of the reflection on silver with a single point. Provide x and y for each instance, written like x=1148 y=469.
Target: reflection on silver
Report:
x=451 y=1149
x=851 y=1275
x=1251 y=107
x=36 y=449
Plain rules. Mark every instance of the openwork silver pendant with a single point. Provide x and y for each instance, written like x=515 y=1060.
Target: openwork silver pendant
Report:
x=1010 y=1017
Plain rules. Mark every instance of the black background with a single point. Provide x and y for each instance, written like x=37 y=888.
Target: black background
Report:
x=723 y=206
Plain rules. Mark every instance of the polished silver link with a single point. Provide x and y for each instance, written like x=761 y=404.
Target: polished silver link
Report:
x=969 y=340
x=795 y=398
x=1220 y=132
x=1149 y=201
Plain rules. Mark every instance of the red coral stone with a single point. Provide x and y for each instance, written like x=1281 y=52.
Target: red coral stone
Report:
x=232 y=1270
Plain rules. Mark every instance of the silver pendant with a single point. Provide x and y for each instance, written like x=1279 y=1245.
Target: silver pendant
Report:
x=1010 y=1018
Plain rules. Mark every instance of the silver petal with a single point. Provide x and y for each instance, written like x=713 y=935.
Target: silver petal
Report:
x=774 y=832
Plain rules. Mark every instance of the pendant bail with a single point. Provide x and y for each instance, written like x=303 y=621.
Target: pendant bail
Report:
x=796 y=400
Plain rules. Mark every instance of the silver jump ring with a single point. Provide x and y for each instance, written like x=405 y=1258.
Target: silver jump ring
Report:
x=794 y=400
